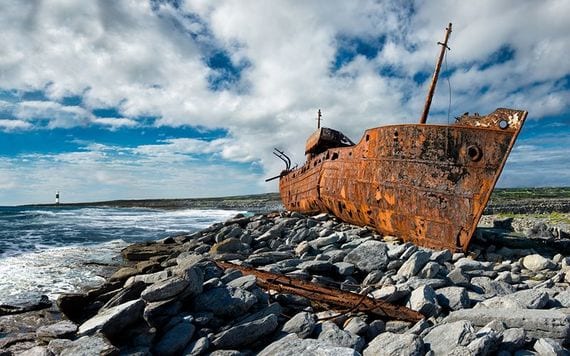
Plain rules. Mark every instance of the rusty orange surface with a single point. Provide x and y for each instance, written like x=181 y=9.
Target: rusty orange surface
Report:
x=427 y=184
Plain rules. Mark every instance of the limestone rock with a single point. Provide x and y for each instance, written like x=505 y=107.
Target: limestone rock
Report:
x=112 y=321
x=165 y=289
x=414 y=264
x=537 y=323
x=369 y=256
x=390 y=344
x=453 y=298
x=536 y=263
x=424 y=300
x=549 y=347
x=175 y=339
x=302 y=324
x=61 y=330
x=225 y=301
x=333 y=335
x=445 y=337
x=245 y=333
x=293 y=345
x=90 y=345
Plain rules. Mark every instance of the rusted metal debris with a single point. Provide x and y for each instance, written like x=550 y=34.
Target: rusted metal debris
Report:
x=337 y=299
x=427 y=184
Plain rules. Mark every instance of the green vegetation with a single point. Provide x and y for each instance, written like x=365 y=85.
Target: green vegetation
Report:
x=553 y=218
x=504 y=194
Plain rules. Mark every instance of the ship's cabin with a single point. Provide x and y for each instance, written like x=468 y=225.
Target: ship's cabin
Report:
x=323 y=139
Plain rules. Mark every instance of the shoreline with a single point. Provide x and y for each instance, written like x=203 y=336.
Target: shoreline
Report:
x=262 y=240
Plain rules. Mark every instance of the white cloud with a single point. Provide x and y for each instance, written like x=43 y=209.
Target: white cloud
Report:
x=12 y=125
x=151 y=63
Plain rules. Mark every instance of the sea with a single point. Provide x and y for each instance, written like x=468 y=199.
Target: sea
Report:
x=57 y=249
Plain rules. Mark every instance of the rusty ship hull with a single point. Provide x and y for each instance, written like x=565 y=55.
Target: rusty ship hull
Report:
x=427 y=184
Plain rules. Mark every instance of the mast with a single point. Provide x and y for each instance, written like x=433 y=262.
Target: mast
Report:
x=319 y=119
x=435 y=75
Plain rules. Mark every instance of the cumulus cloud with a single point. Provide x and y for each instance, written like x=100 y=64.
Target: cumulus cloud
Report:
x=11 y=125
x=260 y=70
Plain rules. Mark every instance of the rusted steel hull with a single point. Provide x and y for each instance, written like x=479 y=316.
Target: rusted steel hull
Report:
x=427 y=184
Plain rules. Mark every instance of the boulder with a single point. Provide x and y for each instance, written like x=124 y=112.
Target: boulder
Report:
x=302 y=324
x=537 y=263
x=368 y=256
x=453 y=298
x=424 y=300
x=333 y=335
x=90 y=345
x=230 y=245
x=549 y=347
x=198 y=347
x=445 y=337
x=293 y=345
x=175 y=339
x=158 y=314
x=61 y=330
x=513 y=339
x=165 y=289
x=356 y=326
x=537 y=323
x=114 y=320
x=245 y=333
x=225 y=301
x=390 y=344
x=414 y=264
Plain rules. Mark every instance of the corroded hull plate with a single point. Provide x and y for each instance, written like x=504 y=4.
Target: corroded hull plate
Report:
x=427 y=184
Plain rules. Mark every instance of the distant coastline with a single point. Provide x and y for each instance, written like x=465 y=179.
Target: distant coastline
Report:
x=503 y=200
x=252 y=203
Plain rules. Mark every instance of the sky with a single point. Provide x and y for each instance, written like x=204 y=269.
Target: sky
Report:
x=137 y=99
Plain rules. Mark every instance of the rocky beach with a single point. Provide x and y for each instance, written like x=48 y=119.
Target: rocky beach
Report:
x=508 y=295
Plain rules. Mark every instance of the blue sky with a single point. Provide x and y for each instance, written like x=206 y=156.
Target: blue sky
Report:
x=170 y=99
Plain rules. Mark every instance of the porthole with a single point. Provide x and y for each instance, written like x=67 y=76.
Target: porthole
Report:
x=474 y=153
x=503 y=124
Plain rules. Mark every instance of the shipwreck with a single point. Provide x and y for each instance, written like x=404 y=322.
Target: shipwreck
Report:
x=423 y=183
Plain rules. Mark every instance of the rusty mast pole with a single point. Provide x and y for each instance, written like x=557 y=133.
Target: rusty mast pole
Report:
x=435 y=75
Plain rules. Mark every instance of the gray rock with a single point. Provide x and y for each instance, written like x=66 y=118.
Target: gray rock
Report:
x=317 y=267
x=115 y=319
x=372 y=278
x=445 y=337
x=563 y=298
x=549 y=347
x=302 y=324
x=62 y=330
x=344 y=268
x=375 y=328
x=513 y=339
x=397 y=326
x=410 y=249
x=537 y=323
x=327 y=240
x=293 y=345
x=158 y=314
x=414 y=264
x=457 y=277
x=430 y=270
x=90 y=345
x=390 y=344
x=391 y=293
x=225 y=301
x=148 y=278
x=493 y=326
x=265 y=258
x=356 y=326
x=424 y=300
x=467 y=264
x=244 y=282
x=165 y=289
x=333 y=335
x=231 y=245
x=36 y=351
x=395 y=251
x=490 y=288
x=56 y=346
x=198 y=347
x=485 y=344
x=441 y=256
x=195 y=278
x=453 y=298
x=175 y=339
x=525 y=299
x=536 y=263
x=245 y=333
x=131 y=292
x=369 y=256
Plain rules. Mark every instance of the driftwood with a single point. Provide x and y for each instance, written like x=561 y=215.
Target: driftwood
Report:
x=337 y=299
